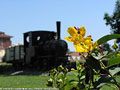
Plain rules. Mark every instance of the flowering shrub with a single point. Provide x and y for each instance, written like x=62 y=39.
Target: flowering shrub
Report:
x=93 y=74
x=81 y=43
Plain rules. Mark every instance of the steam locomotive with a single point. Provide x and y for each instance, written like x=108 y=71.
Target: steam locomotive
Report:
x=42 y=49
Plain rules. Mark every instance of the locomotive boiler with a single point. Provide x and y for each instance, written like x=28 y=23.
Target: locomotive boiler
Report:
x=41 y=49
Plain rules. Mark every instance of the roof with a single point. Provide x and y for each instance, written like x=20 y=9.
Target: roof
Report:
x=1 y=47
x=74 y=54
x=77 y=54
x=3 y=35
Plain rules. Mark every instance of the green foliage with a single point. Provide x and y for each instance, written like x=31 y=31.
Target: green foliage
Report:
x=58 y=78
x=106 y=38
x=114 y=20
x=92 y=74
x=80 y=74
x=102 y=81
x=6 y=67
x=107 y=47
x=115 y=46
x=93 y=63
x=87 y=75
x=73 y=63
x=113 y=61
x=114 y=70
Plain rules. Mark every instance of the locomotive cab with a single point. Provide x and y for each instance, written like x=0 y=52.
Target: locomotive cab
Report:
x=45 y=48
x=34 y=42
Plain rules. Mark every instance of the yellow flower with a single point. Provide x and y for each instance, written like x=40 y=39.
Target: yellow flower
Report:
x=85 y=47
x=81 y=43
x=75 y=37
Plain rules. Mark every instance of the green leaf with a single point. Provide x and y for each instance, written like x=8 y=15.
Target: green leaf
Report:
x=61 y=76
x=102 y=81
x=75 y=72
x=107 y=38
x=78 y=65
x=73 y=83
x=108 y=87
x=93 y=63
x=113 y=61
x=114 y=70
x=60 y=68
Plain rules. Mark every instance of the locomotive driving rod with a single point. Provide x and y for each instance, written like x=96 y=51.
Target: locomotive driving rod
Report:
x=58 y=29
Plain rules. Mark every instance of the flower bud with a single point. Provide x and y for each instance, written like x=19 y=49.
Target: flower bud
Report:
x=59 y=81
x=72 y=69
x=60 y=68
x=50 y=82
x=115 y=46
x=118 y=54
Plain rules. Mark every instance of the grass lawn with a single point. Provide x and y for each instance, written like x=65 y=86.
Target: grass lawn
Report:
x=26 y=81
x=20 y=81
x=23 y=81
x=31 y=81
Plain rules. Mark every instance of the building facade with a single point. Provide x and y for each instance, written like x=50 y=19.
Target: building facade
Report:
x=5 y=41
x=75 y=56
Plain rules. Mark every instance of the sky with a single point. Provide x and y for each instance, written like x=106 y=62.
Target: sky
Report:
x=20 y=16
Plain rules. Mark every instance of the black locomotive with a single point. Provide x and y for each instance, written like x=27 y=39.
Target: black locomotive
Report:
x=41 y=49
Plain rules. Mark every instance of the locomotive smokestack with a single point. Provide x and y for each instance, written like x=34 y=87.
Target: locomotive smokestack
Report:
x=58 y=30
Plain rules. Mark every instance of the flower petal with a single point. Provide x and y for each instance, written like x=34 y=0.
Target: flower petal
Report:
x=82 y=31
x=79 y=48
x=87 y=40
x=95 y=44
x=72 y=31
x=69 y=39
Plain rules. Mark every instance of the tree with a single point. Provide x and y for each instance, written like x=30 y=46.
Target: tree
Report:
x=114 y=20
x=107 y=47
